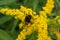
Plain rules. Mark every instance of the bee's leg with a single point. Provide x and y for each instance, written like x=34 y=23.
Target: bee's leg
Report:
x=28 y=25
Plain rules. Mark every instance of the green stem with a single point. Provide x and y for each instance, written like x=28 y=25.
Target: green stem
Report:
x=57 y=1
x=35 y=4
x=14 y=25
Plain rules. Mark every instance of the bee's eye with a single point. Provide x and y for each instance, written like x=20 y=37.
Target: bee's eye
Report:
x=29 y=16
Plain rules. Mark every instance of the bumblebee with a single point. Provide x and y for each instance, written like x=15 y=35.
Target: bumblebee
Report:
x=27 y=20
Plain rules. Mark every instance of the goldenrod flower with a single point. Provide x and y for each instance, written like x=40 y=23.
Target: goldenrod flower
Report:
x=22 y=35
x=42 y=27
x=57 y=17
x=59 y=21
x=49 y=6
x=56 y=32
x=38 y=22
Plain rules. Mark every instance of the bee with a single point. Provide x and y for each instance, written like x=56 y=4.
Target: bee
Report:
x=27 y=20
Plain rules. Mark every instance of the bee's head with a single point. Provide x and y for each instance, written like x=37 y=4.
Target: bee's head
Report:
x=27 y=18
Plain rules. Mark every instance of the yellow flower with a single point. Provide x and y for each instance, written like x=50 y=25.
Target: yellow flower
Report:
x=38 y=22
x=42 y=27
x=22 y=35
x=59 y=21
x=57 y=17
x=20 y=25
x=49 y=6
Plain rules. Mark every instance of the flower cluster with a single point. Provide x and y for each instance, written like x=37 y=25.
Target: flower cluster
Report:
x=42 y=27
x=57 y=18
x=26 y=31
x=33 y=26
x=56 y=32
x=12 y=12
x=49 y=6
x=38 y=22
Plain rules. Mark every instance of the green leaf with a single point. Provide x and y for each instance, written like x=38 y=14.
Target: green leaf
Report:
x=4 y=36
x=14 y=34
x=4 y=19
x=52 y=35
x=33 y=36
x=58 y=2
x=6 y=2
x=14 y=25
x=35 y=4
